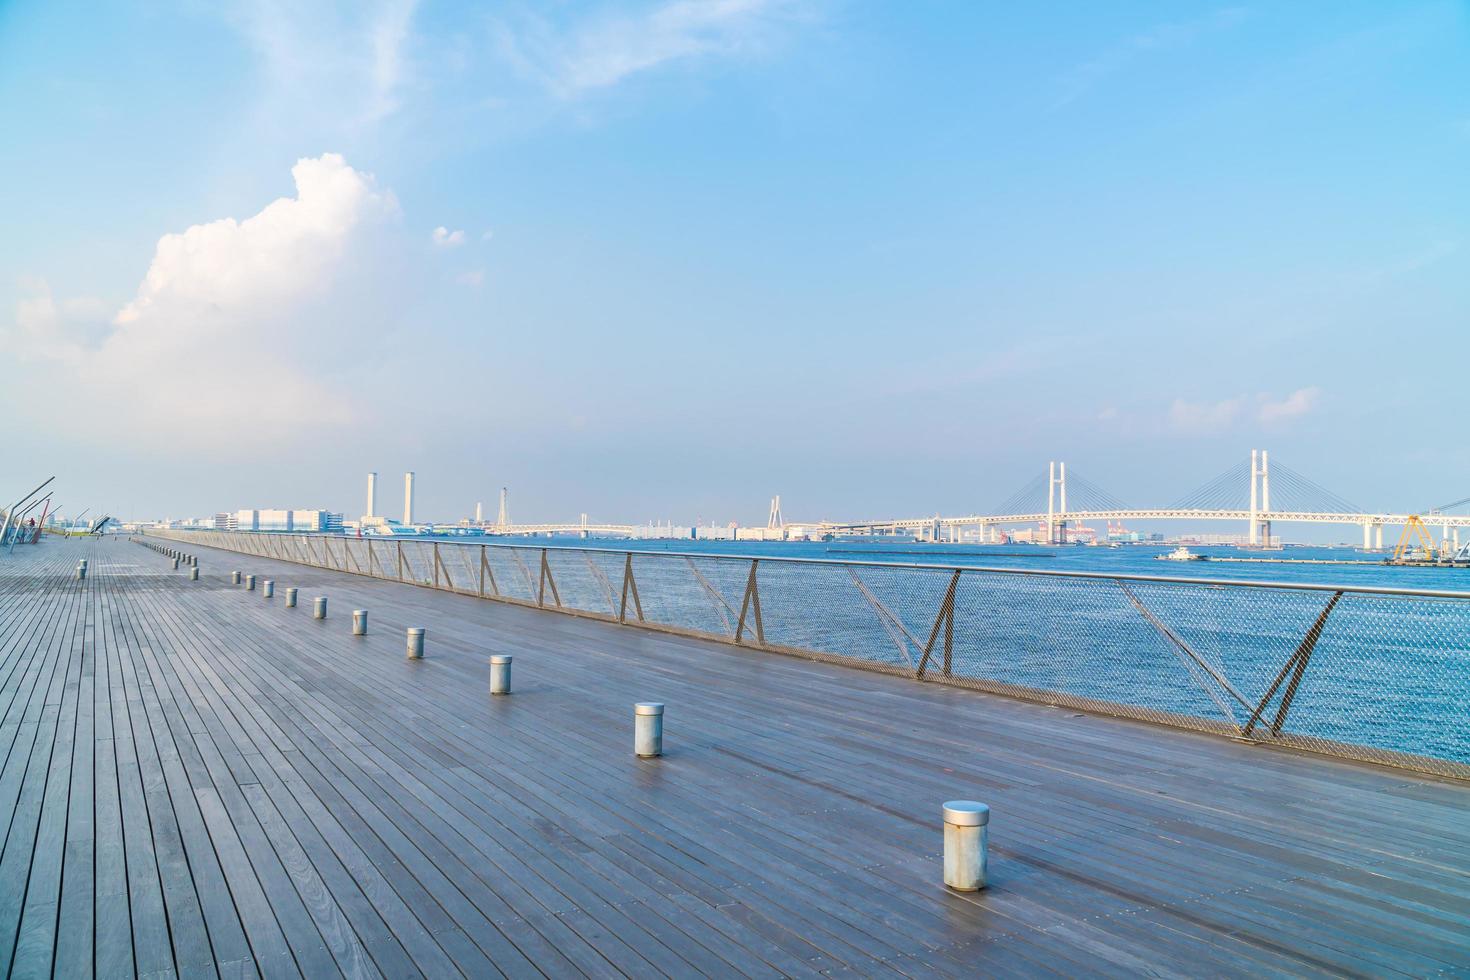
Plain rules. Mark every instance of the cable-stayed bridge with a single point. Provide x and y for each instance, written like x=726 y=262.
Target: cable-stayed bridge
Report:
x=1255 y=492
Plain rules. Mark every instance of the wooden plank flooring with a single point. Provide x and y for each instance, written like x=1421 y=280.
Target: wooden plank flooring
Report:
x=197 y=781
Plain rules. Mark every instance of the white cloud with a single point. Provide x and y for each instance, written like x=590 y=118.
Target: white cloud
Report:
x=236 y=324
x=602 y=52
x=1294 y=405
x=445 y=238
x=269 y=257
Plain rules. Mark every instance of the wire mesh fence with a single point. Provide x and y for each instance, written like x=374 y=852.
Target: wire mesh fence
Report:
x=1380 y=675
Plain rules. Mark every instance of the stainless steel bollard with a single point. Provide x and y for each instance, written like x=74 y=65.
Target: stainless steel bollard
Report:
x=648 y=729
x=359 y=622
x=250 y=583
x=966 y=836
x=268 y=588
x=234 y=578
x=319 y=609
x=415 y=643
x=193 y=573
x=81 y=571
x=176 y=564
x=291 y=598
x=500 y=674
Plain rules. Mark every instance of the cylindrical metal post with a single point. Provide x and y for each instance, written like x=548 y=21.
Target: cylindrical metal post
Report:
x=291 y=598
x=359 y=622
x=966 y=834
x=415 y=643
x=234 y=578
x=319 y=611
x=193 y=573
x=648 y=729
x=500 y=674
x=268 y=588
x=81 y=571
x=176 y=563
x=250 y=583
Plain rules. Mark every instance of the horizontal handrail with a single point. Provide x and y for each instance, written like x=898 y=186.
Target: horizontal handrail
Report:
x=845 y=563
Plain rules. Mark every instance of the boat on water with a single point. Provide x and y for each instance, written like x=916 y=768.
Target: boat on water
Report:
x=1180 y=553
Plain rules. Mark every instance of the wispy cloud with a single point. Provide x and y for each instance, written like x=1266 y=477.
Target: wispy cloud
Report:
x=572 y=59
x=1201 y=418
x=1294 y=405
x=346 y=59
x=1158 y=38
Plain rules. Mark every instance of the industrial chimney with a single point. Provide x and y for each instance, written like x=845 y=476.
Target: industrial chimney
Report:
x=479 y=513
x=408 y=497
x=372 y=495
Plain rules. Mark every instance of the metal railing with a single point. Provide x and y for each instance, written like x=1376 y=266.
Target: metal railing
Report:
x=1374 y=674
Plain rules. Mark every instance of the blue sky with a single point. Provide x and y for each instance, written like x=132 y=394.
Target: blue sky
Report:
x=665 y=259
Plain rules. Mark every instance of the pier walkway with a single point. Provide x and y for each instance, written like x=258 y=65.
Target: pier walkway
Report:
x=197 y=780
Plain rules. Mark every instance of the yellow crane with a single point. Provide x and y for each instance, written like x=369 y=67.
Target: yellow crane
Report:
x=1414 y=528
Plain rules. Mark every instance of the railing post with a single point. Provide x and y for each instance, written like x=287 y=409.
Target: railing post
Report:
x=946 y=615
x=400 y=561
x=547 y=579
x=436 y=564
x=630 y=584
x=752 y=601
x=482 y=570
x=1296 y=665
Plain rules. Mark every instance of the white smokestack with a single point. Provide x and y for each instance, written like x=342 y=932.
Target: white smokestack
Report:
x=372 y=507
x=479 y=512
x=408 y=497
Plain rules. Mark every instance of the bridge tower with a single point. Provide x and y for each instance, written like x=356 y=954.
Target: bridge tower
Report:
x=774 y=521
x=1260 y=525
x=503 y=518
x=1056 y=519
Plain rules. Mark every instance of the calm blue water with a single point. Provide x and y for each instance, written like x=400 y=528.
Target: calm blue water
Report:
x=1367 y=569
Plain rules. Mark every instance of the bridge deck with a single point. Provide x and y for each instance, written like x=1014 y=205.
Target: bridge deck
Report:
x=197 y=779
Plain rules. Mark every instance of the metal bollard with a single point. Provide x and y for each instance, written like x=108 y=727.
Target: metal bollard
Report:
x=234 y=578
x=966 y=834
x=194 y=560
x=415 y=643
x=500 y=674
x=648 y=729
x=193 y=573
x=176 y=564
x=81 y=571
x=250 y=583
x=268 y=588
x=291 y=598
x=359 y=622
x=319 y=610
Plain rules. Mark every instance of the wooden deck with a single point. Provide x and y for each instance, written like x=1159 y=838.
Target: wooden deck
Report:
x=199 y=780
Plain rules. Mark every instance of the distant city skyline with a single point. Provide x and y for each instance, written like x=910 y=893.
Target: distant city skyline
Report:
x=670 y=258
